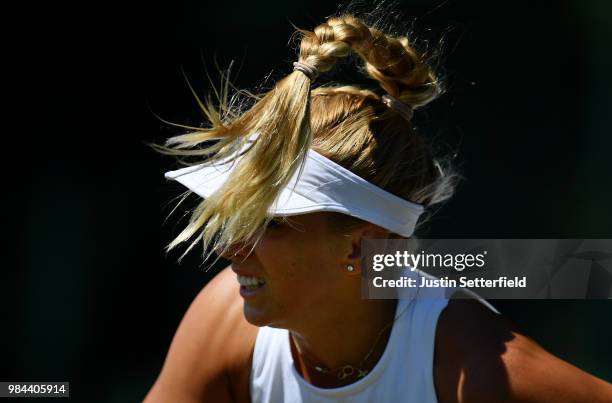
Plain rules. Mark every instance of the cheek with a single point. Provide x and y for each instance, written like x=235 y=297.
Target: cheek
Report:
x=298 y=262
x=310 y=270
x=293 y=262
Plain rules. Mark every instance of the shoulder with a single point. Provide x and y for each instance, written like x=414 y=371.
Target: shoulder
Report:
x=211 y=352
x=481 y=356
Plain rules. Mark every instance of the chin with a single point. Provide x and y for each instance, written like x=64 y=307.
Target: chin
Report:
x=260 y=317
x=255 y=316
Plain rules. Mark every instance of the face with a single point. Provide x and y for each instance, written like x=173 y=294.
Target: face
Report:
x=299 y=271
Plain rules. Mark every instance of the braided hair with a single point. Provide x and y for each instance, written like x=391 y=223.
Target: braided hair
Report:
x=350 y=125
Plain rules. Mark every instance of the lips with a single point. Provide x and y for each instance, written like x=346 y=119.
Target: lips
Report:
x=244 y=272
x=250 y=283
x=250 y=286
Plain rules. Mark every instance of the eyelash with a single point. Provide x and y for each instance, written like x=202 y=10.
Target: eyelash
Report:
x=274 y=223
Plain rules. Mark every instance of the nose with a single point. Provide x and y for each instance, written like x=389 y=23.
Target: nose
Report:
x=234 y=251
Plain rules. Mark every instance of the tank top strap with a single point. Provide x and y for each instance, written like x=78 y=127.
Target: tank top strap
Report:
x=404 y=372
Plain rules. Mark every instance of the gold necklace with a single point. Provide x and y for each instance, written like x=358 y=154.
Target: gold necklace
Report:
x=344 y=371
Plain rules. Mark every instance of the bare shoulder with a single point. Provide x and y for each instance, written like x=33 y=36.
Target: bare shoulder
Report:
x=210 y=356
x=482 y=357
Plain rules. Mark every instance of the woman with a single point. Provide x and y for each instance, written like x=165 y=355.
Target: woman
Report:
x=290 y=189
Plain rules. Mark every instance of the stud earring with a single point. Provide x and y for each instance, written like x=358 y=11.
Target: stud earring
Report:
x=350 y=267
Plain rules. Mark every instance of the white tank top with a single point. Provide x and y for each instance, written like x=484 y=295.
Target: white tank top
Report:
x=404 y=373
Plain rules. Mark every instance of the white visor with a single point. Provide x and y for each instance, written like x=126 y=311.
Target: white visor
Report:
x=322 y=186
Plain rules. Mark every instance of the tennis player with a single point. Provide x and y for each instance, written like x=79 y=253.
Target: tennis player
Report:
x=290 y=187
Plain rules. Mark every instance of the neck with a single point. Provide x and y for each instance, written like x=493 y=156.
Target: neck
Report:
x=347 y=336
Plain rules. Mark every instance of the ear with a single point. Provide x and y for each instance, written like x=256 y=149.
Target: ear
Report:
x=368 y=231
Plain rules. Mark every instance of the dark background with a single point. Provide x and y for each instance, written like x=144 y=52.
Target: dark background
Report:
x=93 y=299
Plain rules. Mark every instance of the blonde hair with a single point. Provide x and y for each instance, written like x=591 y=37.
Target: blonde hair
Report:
x=348 y=124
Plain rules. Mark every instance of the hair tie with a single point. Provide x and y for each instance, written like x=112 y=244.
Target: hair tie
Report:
x=309 y=70
x=398 y=106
